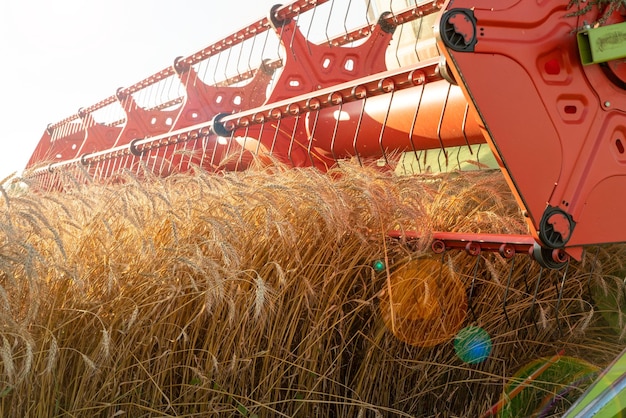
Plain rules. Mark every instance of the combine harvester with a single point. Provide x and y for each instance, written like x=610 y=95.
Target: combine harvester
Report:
x=539 y=87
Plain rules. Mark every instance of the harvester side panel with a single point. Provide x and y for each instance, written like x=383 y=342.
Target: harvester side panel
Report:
x=556 y=125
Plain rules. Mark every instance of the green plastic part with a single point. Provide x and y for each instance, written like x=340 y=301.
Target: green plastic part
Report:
x=606 y=398
x=602 y=44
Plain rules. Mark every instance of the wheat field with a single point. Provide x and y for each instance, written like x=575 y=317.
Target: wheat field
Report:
x=255 y=295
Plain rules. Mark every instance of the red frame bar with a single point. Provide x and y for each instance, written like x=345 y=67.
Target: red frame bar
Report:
x=507 y=245
x=374 y=85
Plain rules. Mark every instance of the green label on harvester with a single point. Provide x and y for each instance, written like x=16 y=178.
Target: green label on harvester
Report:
x=602 y=44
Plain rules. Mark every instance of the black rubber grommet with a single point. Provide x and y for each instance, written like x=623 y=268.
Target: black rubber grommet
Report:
x=385 y=25
x=274 y=21
x=552 y=235
x=179 y=66
x=83 y=159
x=545 y=258
x=133 y=148
x=217 y=127
x=457 y=29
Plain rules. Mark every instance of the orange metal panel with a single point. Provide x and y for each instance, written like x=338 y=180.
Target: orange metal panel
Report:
x=558 y=127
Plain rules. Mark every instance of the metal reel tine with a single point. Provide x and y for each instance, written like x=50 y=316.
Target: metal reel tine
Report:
x=418 y=35
x=411 y=132
x=526 y=271
x=470 y=305
x=506 y=291
x=442 y=148
x=291 y=41
x=591 y=272
x=560 y=297
x=397 y=52
x=367 y=11
x=308 y=31
x=439 y=278
x=311 y=136
x=534 y=302
x=382 y=130
x=357 y=130
x=330 y=13
x=345 y=19
x=243 y=147
x=464 y=130
x=334 y=136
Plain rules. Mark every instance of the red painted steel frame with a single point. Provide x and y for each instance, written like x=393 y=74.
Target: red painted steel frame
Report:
x=411 y=108
x=558 y=128
x=506 y=244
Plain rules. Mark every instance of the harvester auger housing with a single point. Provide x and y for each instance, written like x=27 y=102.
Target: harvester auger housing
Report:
x=542 y=84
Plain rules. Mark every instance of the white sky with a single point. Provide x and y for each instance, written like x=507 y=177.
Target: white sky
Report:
x=60 y=55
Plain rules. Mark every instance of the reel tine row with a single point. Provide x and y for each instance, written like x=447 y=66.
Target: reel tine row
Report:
x=200 y=80
x=560 y=298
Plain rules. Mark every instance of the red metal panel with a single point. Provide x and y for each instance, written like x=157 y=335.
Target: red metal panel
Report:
x=58 y=144
x=308 y=67
x=558 y=127
x=142 y=122
x=98 y=136
x=202 y=101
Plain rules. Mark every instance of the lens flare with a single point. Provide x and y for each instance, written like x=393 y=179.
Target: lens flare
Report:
x=423 y=303
x=379 y=266
x=472 y=345
x=552 y=392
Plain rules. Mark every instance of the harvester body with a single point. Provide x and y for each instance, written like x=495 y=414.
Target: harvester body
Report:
x=504 y=74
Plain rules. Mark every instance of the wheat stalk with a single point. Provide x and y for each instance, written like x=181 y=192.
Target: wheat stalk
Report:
x=255 y=293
